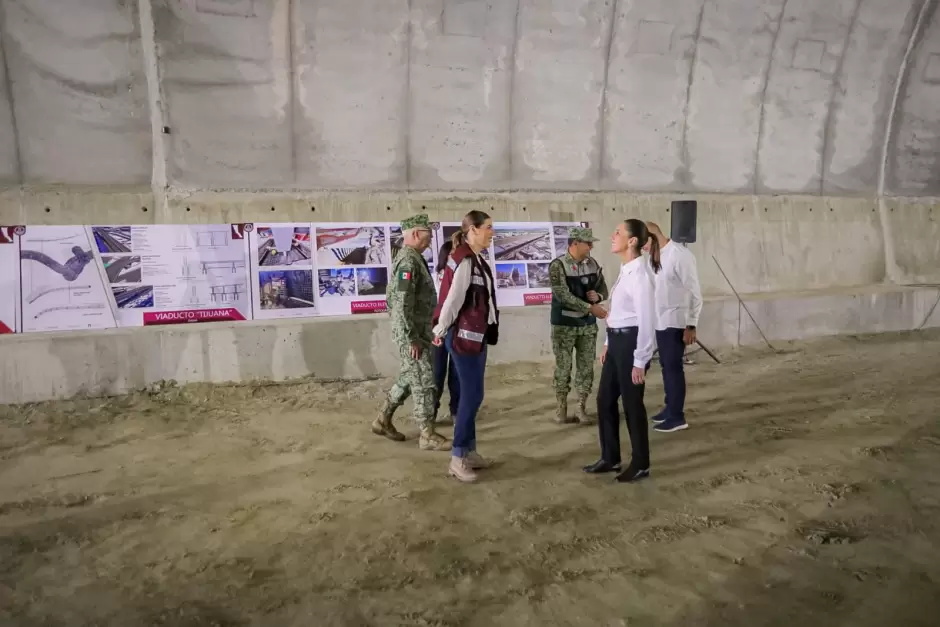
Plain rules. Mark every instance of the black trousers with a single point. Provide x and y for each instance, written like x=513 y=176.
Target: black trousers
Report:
x=616 y=384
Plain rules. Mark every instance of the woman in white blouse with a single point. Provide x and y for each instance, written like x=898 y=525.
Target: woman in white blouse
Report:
x=628 y=349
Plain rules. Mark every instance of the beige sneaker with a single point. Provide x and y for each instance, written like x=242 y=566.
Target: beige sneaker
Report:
x=461 y=469
x=583 y=417
x=383 y=426
x=430 y=440
x=477 y=461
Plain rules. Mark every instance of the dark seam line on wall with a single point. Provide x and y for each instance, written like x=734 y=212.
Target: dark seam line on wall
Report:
x=763 y=96
x=686 y=107
x=920 y=25
x=8 y=85
x=833 y=95
x=406 y=117
x=512 y=89
x=292 y=91
x=602 y=140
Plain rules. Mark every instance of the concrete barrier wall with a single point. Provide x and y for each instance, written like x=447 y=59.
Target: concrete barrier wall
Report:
x=44 y=366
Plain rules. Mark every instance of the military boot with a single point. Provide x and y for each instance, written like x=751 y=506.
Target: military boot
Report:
x=383 y=424
x=430 y=440
x=583 y=417
x=561 y=411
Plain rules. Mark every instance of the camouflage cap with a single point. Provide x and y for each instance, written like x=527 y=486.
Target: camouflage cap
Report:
x=582 y=234
x=419 y=221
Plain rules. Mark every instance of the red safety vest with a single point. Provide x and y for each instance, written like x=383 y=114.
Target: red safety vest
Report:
x=473 y=328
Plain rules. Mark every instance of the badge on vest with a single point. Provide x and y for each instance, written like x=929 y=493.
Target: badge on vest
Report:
x=584 y=280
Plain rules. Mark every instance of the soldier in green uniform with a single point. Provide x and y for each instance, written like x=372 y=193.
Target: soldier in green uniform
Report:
x=411 y=300
x=578 y=287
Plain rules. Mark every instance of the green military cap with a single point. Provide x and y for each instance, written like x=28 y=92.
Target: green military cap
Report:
x=582 y=234
x=419 y=221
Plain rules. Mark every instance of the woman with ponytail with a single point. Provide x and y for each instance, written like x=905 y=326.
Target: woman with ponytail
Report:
x=628 y=348
x=466 y=322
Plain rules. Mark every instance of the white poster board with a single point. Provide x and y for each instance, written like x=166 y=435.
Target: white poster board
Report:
x=519 y=256
x=282 y=271
x=352 y=261
x=10 y=278
x=171 y=274
x=62 y=285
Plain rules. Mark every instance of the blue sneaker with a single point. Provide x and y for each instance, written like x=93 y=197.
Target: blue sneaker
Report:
x=659 y=418
x=670 y=425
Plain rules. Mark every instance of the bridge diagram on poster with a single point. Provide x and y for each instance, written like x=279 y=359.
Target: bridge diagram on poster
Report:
x=10 y=278
x=61 y=285
x=169 y=274
x=519 y=257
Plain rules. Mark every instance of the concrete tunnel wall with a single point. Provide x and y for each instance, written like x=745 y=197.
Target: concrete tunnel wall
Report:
x=808 y=130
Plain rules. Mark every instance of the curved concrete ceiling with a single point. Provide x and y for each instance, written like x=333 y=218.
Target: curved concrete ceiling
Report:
x=834 y=97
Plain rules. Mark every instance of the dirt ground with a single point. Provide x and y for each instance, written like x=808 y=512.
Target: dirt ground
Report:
x=806 y=491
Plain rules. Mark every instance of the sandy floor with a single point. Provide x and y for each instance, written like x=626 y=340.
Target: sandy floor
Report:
x=806 y=492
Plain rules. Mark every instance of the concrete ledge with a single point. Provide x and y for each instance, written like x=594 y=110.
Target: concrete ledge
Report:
x=48 y=366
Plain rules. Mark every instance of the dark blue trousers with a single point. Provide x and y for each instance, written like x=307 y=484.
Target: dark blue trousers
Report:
x=671 y=353
x=444 y=370
x=470 y=373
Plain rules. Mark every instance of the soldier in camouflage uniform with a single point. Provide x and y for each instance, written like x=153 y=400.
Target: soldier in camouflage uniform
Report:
x=411 y=300
x=578 y=287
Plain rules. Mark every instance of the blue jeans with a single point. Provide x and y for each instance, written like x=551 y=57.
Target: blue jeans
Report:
x=470 y=372
x=671 y=353
x=444 y=369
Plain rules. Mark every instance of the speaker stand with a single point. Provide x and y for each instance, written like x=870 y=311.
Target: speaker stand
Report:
x=701 y=347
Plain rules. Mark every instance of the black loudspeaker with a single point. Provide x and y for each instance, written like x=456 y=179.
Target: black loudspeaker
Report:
x=684 y=218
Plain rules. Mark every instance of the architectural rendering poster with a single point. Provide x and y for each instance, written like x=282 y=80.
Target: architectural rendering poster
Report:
x=56 y=278
x=352 y=262
x=519 y=256
x=172 y=274
x=61 y=285
x=9 y=278
x=282 y=271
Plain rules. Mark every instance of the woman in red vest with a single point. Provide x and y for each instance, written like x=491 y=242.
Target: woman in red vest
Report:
x=466 y=322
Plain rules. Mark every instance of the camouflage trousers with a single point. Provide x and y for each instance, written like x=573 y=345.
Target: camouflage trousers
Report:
x=415 y=379
x=582 y=340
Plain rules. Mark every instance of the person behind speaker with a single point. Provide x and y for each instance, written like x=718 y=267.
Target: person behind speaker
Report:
x=444 y=369
x=628 y=349
x=678 y=307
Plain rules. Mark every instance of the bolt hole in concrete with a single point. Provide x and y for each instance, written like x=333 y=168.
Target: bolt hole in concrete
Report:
x=388 y=208
x=144 y=209
x=523 y=208
x=48 y=210
x=187 y=208
x=313 y=208
x=272 y=208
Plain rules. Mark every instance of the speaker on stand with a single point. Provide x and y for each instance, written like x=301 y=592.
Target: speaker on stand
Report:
x=682 y=228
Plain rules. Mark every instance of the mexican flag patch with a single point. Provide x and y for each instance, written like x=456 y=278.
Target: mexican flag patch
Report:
x=405 y=276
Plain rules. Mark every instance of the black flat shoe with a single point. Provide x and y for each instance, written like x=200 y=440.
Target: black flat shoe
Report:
x=632 y=475
x=601 y=466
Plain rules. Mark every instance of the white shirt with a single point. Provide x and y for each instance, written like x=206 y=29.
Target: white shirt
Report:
x=458 y=294
x=678 y=295
x=633 y=304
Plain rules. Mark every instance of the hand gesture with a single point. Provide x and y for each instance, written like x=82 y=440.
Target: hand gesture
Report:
x=593 y=297
x=416 y=350
x=604 y=355
x=688 y=336
x=598 y=312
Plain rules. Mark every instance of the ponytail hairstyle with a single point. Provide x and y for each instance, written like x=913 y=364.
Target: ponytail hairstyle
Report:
x=473 y=218
x=442 y=255
x=639 y=230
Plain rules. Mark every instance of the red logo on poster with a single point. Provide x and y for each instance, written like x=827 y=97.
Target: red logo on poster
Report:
x=4 y=328
x=368 y=306
x=537 y=299
x=225 y=314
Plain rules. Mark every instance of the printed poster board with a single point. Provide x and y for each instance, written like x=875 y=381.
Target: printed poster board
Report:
x=519 y=257
x=10 y=278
